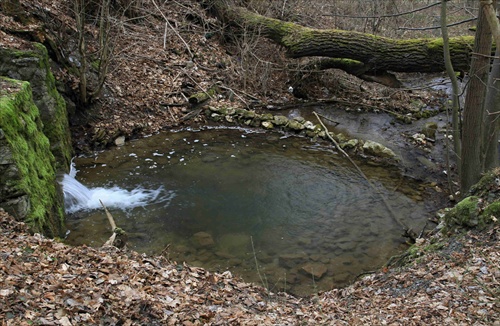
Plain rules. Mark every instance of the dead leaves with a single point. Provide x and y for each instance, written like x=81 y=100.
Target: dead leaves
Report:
x=46 y=282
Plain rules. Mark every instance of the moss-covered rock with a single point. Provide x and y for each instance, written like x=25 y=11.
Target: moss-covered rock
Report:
x=33 y=66
x=28 y=186
x=479 y=209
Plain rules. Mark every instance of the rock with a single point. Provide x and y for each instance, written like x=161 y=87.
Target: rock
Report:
x=120 y=141
x=429 y=130
x=267 y=117
x=280 y=120
x=309 y=125
x=295 y=125
x=316 y=270
x=290 y=260
x=28 y=182
x=248 y=114
x=428 y=163
x=304 y=241
x=351 y=143
x=203 y=239
x=267 y=124
x=378 y=149
x=236 y=244
x=34 y=66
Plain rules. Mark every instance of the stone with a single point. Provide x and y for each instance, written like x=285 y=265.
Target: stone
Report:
x=295 y=125
x=203 y=239
x=267 y=117
x=120 y=141
x=32 y=196
x=309 y=125
x=280 y=120
x=429 y=130
x=267 y=125
x=236 y=244
x=248 y=114
x=291 y=260
x=313 y=269
x=351 y=143
x=34 y=66
x=378 y=149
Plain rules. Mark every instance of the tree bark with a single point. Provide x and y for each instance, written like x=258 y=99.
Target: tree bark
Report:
x=473 y=115
x=376 y=53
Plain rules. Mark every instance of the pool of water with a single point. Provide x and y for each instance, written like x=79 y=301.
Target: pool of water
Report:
x=279 y=211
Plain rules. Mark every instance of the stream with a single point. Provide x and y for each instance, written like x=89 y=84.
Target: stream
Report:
x=279 y=211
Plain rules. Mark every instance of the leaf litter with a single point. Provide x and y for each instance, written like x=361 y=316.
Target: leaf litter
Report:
x=46 y=282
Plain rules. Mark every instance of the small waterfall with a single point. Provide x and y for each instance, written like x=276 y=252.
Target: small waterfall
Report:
x=79 y=197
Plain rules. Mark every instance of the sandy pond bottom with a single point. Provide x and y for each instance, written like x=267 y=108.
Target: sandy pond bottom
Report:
x=279 y=211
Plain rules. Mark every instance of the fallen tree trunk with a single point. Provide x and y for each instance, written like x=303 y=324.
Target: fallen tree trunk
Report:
x=374 y=54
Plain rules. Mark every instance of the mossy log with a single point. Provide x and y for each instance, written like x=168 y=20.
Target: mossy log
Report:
x=369 y=54
x=201 y=97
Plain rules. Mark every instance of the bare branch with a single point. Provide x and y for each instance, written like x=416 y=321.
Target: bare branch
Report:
x=175 y=31
x=385 y=16
x=437 y=27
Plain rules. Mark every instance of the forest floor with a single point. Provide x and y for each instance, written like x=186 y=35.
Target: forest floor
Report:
x=156 y=66
x=448 y=281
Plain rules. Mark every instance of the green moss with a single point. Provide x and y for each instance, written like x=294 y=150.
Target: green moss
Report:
x=465 y=213
x=493 y=209
x=95 y=64
x=58 y=130
x=20 y=122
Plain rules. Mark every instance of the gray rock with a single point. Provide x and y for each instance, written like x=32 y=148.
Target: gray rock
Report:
x=378 y=149
x=120 y=141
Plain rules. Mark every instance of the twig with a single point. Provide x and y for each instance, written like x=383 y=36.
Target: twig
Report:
x=436 y=27
x=110 y=217
x=386 y=203
x=197 y=84
x=236 y=94
x=175 y=31
x=257 y=264
x=390 y=15
x=331 y=120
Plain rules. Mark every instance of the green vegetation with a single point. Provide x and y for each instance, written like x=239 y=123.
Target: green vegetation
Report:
x=22 y=127
x=58 y=130
x=479 y=209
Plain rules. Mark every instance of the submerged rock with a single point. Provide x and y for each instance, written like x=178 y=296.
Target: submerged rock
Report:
x=316 y=270
x=203 y=239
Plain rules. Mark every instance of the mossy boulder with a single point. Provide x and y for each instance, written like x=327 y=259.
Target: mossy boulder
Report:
x=481 y=207
x=33 y=66
x=28 y=186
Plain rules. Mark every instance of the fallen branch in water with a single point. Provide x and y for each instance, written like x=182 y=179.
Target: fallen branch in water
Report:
x=119 y=237
x=408 y=231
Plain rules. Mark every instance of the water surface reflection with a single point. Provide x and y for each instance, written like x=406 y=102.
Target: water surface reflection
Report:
x=310 y=220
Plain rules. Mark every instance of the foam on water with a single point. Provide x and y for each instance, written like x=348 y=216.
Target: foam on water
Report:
x=78 y=197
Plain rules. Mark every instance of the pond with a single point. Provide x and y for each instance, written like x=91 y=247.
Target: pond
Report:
x=283 y=212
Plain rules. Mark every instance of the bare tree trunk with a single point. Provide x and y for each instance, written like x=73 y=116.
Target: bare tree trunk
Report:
x=492 y=101
x=473 y=109
x=454 y=85
x=79 y=8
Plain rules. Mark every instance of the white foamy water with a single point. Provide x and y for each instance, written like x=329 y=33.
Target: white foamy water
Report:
x=78 y=197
